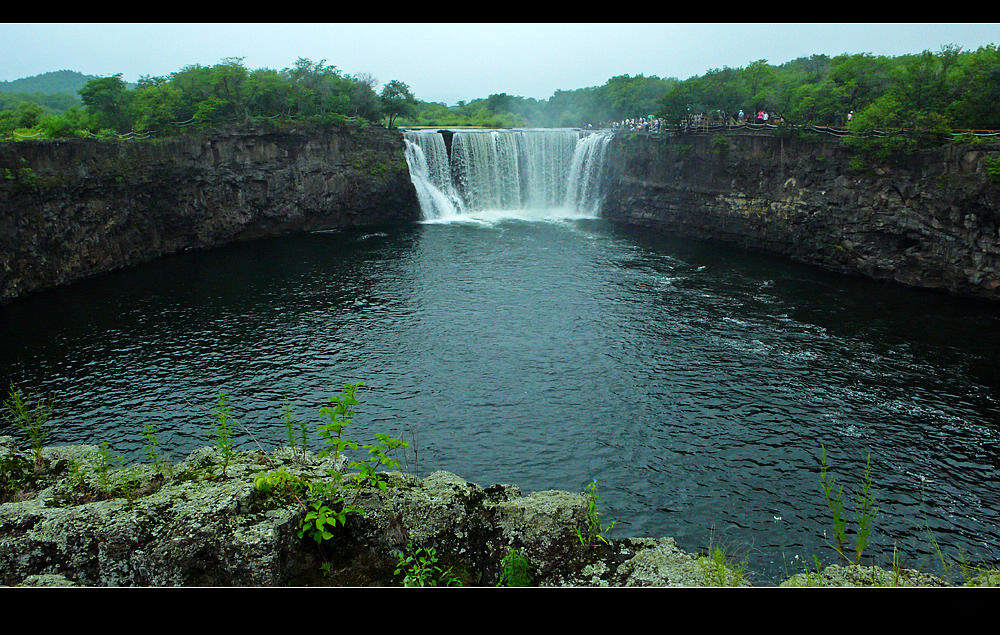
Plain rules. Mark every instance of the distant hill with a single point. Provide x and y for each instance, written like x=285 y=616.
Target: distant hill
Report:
x=51 y=83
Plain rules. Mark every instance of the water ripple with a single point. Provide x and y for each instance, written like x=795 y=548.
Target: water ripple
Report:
x=696 y=382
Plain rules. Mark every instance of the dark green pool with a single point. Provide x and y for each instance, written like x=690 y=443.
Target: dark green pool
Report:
x=694 y=381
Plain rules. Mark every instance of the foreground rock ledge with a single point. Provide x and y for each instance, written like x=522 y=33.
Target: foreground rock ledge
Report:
x=192 y=527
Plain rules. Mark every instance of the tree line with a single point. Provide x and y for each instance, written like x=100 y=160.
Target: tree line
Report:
x=619 y=97
x=943 y=90
x=951 y=88
x=204 y=96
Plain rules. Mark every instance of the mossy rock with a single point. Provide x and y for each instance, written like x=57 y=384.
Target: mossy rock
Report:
x=47 y=580
x=858 y=576
x=990 y=577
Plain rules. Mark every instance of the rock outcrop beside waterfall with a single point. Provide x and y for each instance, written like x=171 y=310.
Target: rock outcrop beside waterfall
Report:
x=933 y=222
x=74 y=208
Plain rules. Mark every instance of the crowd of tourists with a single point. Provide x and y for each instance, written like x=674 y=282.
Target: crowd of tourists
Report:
x=739 y=118
x=695 y=120
x=713 y=118
x=639 y=124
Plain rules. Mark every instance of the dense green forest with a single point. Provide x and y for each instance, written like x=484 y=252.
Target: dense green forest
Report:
x=26 y=101
x=203 y=96
x=951 y=87
x=619 y=97
x=52 y=83
x=948 y=89
x=959 y=89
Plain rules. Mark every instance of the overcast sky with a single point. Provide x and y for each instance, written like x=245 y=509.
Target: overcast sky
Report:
x=449 y=62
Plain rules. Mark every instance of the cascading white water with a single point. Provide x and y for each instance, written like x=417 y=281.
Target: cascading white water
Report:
x=584 y=182
x=534 y=171
x=431 y=178
x=547 y=156
x=486 y=168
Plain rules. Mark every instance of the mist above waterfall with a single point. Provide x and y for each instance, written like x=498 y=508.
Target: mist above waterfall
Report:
x=495 y=174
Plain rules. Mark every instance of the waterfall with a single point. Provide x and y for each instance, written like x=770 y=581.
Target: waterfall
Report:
x=427 y=158
x=487 y=169
x=547 y=155
x=549 y=173
x=584 y=182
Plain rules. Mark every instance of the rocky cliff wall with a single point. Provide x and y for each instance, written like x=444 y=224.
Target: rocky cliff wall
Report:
x=74 y=208
x=933 y=222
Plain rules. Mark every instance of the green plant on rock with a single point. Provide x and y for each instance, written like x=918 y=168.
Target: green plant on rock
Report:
x=129 y=482
x=858 y=164
x=594 y=530
x=279 y=484
x=320 y=519
x=967 y=138
x=815 y=578
x=77 y=475
x=897 y=566
x=322 y=499
x=152 y=447
x=222 y=429
x=420 y=568
x=22 y=175
x=976 y=575
x=296 y=431
x=16 y=474
x=326 y=508
x=834 y=501
x=515 y=569
x=970 y=574
x=154 y=455
x=718 y=569
x=106 y=462
x=312 y=496
x=992 y=167
x=339 y=415
x=31 y=419
x=379 y=456
x=865 y=510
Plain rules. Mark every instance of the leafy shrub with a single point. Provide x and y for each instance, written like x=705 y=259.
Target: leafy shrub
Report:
x=221 y=428
x=31 y=420
x=720 y=145
x=420 y=568
x=594 y=529
x=16 y=475
x=515 y=569
x=106 y=462
x=992 y=166
x=280 y=484
x=322 y=499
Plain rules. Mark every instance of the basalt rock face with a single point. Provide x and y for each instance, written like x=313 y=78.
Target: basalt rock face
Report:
x=75 y=208
x=196 y=523
x=932 y=222
x=68 y=518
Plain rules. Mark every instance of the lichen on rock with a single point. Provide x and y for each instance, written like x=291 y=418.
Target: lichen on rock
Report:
x=200 y=527
x=860 y=576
